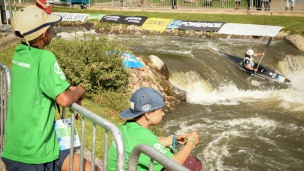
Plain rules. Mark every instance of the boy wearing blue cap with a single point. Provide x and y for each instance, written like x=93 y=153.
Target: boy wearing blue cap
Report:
x=146 y=110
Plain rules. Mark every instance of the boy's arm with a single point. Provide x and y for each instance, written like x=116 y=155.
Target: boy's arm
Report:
x=181 y=156
x=74 y=94
x=166 y=141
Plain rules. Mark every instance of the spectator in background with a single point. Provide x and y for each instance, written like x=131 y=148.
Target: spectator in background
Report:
x=45 y=5
x=266 y=4
x=291 y=3
x=237 y=4
x=248 y=4
x=258 y=4
x=207 y=3
x=174 y=6
x=142 y=3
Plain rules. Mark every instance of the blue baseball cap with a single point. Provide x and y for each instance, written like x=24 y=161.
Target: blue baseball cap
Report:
x=144 y=100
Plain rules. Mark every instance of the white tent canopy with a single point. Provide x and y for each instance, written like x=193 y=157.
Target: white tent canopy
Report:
x=249 y=29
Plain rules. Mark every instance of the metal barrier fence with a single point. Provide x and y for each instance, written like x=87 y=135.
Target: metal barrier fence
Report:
x=4 y=93
x=204 y=4
x=97 y=121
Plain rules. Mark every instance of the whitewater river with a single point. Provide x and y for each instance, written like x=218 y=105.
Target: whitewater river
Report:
x=244 y=123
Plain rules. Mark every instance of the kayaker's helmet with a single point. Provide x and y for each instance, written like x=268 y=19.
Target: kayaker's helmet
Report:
x=250 y=52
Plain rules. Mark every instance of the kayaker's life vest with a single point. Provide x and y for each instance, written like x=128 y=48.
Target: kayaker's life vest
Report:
x=248 y=60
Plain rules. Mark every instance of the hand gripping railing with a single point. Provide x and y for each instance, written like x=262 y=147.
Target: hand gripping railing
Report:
x=108 y=126
x=154 y=155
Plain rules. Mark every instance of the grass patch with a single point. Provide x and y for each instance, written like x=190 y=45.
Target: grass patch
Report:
x=6 y=56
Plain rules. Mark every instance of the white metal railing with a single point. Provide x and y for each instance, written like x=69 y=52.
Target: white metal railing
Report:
x=4 y=93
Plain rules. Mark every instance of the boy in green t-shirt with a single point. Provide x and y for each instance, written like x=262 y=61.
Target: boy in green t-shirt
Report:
x=146 y=110
x=37 y=84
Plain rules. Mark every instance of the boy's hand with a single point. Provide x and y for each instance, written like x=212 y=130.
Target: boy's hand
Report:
x=77 y=116
x=194 y=136
x=182 y=138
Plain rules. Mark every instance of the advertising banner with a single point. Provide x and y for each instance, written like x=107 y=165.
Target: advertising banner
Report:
x=135 y=20
x=250 y=29
x=95 y=17
x=72 y=16
x=111 y=18
x=201 y=25
x=174 y=24
x=156 y=24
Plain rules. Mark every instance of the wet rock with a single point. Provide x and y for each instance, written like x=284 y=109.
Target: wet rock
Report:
x=88 y=25
x=297 y=41
x=159 y=65
x=151 y=76
x=7 y=40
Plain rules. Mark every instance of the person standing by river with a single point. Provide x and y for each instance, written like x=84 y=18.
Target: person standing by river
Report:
x=44 y=5
x=37 y=85
x=291 y=3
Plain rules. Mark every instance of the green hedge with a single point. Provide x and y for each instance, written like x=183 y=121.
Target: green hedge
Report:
x=87 y=61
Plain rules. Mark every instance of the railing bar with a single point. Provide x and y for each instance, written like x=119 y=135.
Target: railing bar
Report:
x=120 y=152
x=82 y=143
x=72 y=140
x=153 y=154
x=1 y=110
x=151 y=167
x=106 y=143
x=93 y=147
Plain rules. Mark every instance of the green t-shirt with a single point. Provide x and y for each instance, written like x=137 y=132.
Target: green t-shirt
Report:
x=134 y=134
x=36 y=81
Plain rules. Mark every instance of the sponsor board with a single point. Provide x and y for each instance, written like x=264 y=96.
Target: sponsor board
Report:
x=135 y=20
x=72 y=16
x=110 y=18
x=250 y=29
x=156 y=24
x=201 y=25
x=95 y=16
x=174 y=24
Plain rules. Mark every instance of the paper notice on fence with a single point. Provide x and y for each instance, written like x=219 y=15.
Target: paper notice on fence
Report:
x=63 y=134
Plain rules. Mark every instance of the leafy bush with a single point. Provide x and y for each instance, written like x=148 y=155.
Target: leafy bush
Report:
x=88 y=61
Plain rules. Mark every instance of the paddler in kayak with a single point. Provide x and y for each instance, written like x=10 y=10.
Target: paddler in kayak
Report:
x=248 y=62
